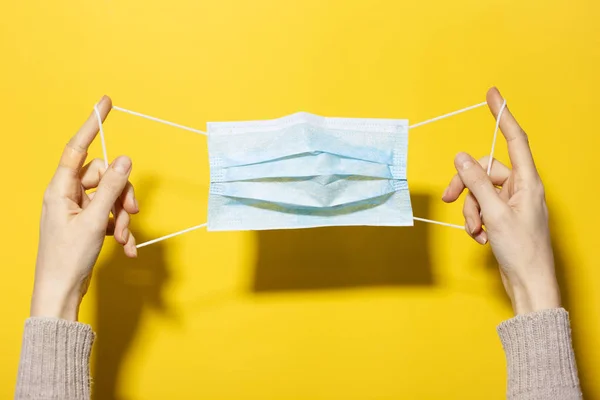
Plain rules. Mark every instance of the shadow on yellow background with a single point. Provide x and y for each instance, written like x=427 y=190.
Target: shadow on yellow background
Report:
x=319 y=314
x=126 y=292
x=345 y=257
x=288 y=260
x=333 y=258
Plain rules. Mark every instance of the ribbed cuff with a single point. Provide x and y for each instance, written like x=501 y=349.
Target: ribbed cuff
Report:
x=55 y=360
x=539 y=355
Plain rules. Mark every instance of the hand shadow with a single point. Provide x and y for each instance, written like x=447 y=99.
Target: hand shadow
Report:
x=565 y=290
x=126 y=289
x=343 y=257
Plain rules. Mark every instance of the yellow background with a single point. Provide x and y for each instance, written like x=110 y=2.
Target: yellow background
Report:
x=235 y=315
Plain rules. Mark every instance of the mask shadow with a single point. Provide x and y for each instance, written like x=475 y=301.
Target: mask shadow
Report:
x=345 y=257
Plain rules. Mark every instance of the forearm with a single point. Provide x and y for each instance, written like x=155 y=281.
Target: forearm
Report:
x=540 y=358
x=55 y=360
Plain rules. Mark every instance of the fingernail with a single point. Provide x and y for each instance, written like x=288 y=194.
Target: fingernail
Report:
x=122 y=165
x=135 y=203
x=481 y=238
x=464 y=161
x=125 y=235
x=101 y=99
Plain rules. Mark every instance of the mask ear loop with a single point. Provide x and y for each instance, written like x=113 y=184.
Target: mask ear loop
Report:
x=101 y=129
x=489 y=167
x=160 y=239
x=103 y=142
x=162 y=121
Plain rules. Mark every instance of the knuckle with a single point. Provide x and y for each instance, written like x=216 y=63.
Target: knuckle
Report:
x=520 y=137
x=524 y=137
x=483 y=161
x=540 y=189
x=545 y=211
x=49 y=196
x=523 y=140
x=540 y=192
x=536 y=188
x=98 y=164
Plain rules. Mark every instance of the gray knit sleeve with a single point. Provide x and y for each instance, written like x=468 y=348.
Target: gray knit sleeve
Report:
x=55 y=360
x=539 y=355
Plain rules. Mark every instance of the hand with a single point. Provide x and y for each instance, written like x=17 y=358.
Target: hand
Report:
x=75 y=222
x=512 y=206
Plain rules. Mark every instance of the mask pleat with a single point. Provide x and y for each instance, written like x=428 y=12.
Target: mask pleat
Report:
x=304 y=170
x=318 y=191
x=302 y=166
x=229 y=150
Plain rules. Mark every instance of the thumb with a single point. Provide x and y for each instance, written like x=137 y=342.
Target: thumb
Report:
x=111 y=186
x=473 y=176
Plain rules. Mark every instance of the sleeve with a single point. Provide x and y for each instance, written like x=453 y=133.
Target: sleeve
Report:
x=55 y=360
x=540 y=357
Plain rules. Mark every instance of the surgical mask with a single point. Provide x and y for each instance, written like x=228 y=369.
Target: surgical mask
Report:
x=304 y=171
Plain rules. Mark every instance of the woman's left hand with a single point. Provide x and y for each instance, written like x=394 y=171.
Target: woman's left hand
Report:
x=74 y=222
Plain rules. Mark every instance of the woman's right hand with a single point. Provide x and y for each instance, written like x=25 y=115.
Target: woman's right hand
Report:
x=511 y=204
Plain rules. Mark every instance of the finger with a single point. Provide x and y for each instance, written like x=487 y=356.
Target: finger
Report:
x=91 y=173
x=473 y=222
x=476 y=180
x=481 y=237
x=109 y=190
x=499 y=174
x=471 y=212
x=518 y=144
x=129 y=248
x=453 y=190
x=129 y=201
x=90 y=178
x=120 y=224
x=75 y=151
x=122 y=220
x=88 y=131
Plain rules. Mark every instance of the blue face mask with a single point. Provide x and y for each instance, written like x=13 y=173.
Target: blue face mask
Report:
x=304 y=171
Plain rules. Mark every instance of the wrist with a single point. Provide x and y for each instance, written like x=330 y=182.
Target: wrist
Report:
x=535 y=296
x=53 y=302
